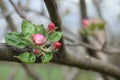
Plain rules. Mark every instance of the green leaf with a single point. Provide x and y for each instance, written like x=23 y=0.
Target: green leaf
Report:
x=46 y=58
x=41 y=29
x=85 y=32
x=15 y=39
x=29 y=41
x=26 y=57
x=56 y=36
x=92 y=27
x=28 y=29
x=101 y=26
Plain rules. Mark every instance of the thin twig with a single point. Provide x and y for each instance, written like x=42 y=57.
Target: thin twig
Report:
x=5 y=14
x=97 y=6
x=69 y=32
x=30 y=10
x=18 y=11
x=107 y=50
x=84 y=45
x=8 y=18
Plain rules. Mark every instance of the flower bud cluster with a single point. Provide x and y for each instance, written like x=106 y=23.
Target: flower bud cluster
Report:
x=39 y=39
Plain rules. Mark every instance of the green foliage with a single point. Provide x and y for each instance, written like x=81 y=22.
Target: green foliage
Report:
x=56 y=36
x=28 y=29
x=24 y=38
x=29 y=41
x=26 y=57
x=89 y=30
x=46 y=58
x=101 y=26
x=41 y=29
x=85 y=31
x=92 y=27
x=40 y=69
x=15 y=39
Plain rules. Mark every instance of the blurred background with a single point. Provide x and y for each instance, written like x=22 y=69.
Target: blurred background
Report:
x=36 y=12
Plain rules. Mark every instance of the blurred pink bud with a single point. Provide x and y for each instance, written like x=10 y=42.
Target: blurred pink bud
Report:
x=56 y=45
x=51 y=27
x=38 y=39
x=36 y=51
x=85 y=22
x=93 y=21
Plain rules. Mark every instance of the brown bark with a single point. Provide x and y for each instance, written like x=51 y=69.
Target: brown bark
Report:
x=7 y=53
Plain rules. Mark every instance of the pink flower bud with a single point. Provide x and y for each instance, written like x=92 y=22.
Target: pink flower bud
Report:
x=38 y=39
x=93 y=21
x=36 y=51
x=85 y=22
x=51 y=27
x=56 y=45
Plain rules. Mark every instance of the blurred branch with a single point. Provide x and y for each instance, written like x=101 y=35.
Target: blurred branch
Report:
x=7 y=53
x=30 y=72
x=5 y=14
x=92 y=51
x=107 y=50
x=19 y=7
x=68 y=39
x=83 y=9
x=71 y=71
x=85 y=38
x=68 y=31
x=97 y=6
x=17 y=10
x=84 y=45
x=8 y=18
x=39 y=13
x=70 y=1
x=12 y=74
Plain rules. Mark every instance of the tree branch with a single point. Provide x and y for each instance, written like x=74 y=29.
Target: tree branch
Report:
x=7 y=53
x=53 y=13
x=107 y=50
x=83 y=9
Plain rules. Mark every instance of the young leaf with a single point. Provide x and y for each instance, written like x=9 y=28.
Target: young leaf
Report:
x=41 y=29
x=29 y=41
x=84 y=32
x=101 y=26
x=46 y=58
x=28 y=29
x=26 y=57
x=92 y=27
x=15 y=39
x=56 y=36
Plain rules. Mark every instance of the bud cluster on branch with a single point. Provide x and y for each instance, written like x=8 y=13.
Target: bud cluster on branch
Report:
x=37 y=38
